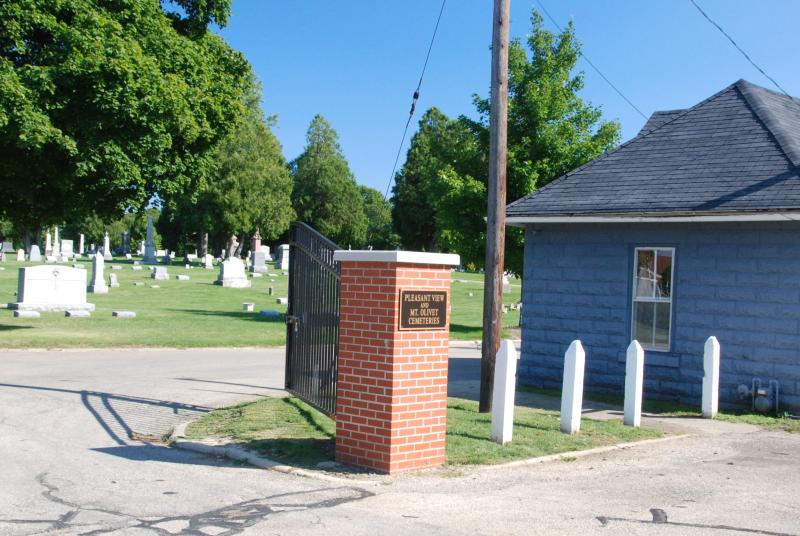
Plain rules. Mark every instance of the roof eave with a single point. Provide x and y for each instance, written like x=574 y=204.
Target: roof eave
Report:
x=655 y=217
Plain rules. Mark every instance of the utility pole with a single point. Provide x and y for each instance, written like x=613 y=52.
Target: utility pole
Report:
x=496 y=209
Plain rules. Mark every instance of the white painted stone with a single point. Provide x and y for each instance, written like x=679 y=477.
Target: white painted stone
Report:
x=282 y=301
x=249 y=307
x=181 y=277
x=107 y=248
x=149 y=256
x=160 y=273
x=20 y=255
x=123 y=314
x=710 y=403
x=113 y=282
x=98 y=285
x=27 y=314
x=77 y=313
x=66 y=249
x=232 y=274
x=51 y=288
x=505 y=377
x=634 y=376
x=35 y=255
x=572 y=388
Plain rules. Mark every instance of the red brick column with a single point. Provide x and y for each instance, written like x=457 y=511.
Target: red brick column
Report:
x=391 y=405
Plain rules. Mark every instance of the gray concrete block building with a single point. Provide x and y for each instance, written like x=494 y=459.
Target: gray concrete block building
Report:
x=688 y=230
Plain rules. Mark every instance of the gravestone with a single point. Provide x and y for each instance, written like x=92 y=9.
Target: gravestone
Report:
x=20 y=255
x=48 y=244
x=107 y=248
x=51 y=288
x=259 y=265
x=3 y=257
x=181 y=277
x=113 y=282
x=209 y=261
x=80 y=245
x=166 y=259
x=66 y=249
x=35 y=254
x=232 y=275
x=77 y=313
x=283 y=257
x=27 y=314
x=128 y=256
x=506 y=284
x=123 y=314
x=160 y=273
x=248 y=307
x=56 y=242
x=98 y=285
x=149 y=256
x=8 y=247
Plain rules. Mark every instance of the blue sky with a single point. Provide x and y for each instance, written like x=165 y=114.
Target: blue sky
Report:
x=357 y=62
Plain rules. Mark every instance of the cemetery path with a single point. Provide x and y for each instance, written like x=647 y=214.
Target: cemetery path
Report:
x=69 y=465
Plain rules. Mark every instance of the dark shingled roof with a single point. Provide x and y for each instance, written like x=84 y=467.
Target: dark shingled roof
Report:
x=736 y=152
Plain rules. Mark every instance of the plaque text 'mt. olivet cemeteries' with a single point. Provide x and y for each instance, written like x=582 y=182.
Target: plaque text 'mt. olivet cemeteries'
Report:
x=423 y=309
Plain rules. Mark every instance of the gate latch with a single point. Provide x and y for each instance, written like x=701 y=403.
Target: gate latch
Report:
x=293 y=320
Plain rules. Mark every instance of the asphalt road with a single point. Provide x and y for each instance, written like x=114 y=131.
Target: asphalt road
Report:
x=68 y=465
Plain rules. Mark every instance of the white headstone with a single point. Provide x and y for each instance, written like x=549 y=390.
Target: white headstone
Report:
x=20 y=255
x=123 y=314
x=35 y=255
x=160 y=273
x=149 y=256
x=128 y=256
x=77 y=313
x=572 y=388
x=27 y=314
x=506 y=284
x=710 y=403
x=107 y=248
x=505 y=376
x=48 y=244
x=113 y=282
x=259 y=265
x=209 y=261
x=51 y=288
x=66 y=249
x=98 y=285
x=80 y=244
x=231 y=274
x=283 y=257
x=248 y=307
x=634 y=376
x=181 y=277
x=56 y=242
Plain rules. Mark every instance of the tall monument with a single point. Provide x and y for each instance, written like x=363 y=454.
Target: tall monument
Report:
x=149 y=244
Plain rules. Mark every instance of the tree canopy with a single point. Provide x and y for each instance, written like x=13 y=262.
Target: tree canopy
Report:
x=325 y=194
x=551 y=130
x=378 y=212
x=107 y=105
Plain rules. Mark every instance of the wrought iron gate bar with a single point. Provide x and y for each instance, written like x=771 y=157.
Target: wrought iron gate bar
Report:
x=312 y=319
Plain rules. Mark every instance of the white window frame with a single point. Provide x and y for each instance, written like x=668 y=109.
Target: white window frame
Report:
x=635 y=300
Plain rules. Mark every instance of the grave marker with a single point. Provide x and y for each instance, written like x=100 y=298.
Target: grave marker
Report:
x=51 y=288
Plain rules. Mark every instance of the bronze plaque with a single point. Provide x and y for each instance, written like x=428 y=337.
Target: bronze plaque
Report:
x=423 y=309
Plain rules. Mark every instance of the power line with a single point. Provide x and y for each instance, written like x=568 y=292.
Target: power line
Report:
x=560 y=29
x=414 y=101
x=738 y=47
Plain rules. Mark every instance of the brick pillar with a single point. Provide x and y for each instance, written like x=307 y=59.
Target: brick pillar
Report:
x=391 y=405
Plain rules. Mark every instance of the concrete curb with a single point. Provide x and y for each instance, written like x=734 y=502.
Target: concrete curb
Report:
x=583 y=453
x=178 y=440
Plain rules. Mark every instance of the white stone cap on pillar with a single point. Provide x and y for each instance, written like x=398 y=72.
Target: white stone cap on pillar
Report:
x=407 y=257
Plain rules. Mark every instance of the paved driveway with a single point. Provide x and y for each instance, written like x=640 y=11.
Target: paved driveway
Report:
x=68 y=465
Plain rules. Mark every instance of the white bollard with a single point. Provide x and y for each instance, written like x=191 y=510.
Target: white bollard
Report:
x=505 y=374
x=711 y=378
x=634 y=375
x=572 y=388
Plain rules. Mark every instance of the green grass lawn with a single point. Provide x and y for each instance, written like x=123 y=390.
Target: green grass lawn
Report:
x=290 y=431
x=194 y=313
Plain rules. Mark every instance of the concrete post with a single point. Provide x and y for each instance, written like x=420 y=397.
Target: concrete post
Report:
x=503 y=393
x=634 y=375
x=711 y=378
x=572 y=388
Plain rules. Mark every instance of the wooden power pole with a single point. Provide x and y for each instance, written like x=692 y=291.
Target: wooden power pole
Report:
x=496 y=210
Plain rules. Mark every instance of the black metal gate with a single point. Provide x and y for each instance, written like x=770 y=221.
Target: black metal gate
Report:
x=312 y=320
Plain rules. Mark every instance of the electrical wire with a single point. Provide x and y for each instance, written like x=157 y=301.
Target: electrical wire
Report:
x=709 y=19
x=620 y=93
x=414 y=100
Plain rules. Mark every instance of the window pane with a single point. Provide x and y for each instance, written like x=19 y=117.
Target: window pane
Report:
x=662 y=324
x=645 y=283
x=664 y=273
x=643 y=313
